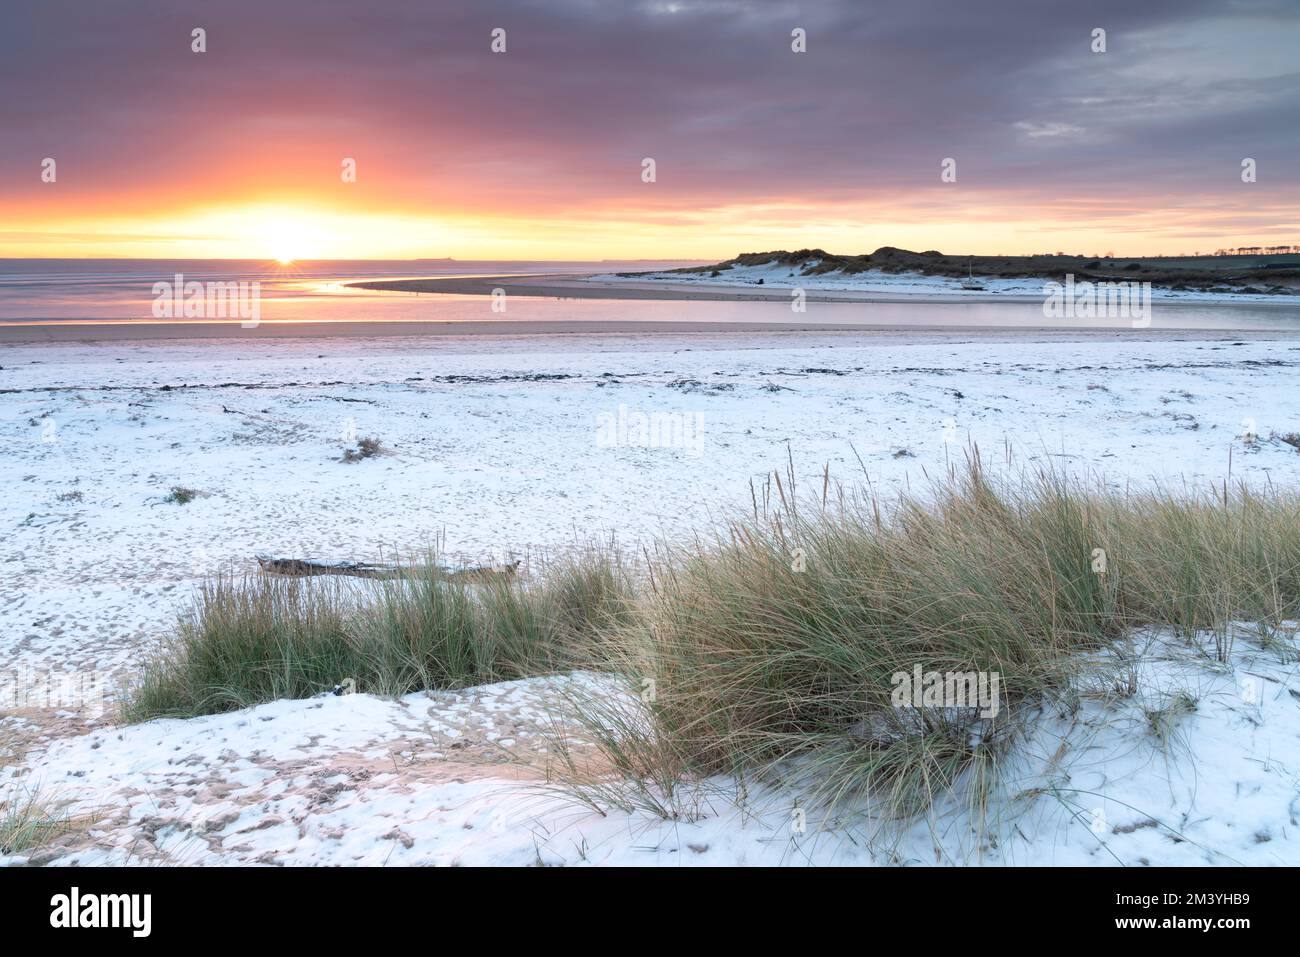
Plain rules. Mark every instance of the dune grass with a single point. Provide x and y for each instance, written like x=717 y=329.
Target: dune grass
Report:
x=772 y=649
x=252 y=639
x=29 y=819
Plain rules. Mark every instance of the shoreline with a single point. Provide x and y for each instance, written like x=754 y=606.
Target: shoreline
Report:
x=1025 y=323
x=75 y=332
x=584 y=287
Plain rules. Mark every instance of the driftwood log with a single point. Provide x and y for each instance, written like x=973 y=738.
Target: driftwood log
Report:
x=306 y=568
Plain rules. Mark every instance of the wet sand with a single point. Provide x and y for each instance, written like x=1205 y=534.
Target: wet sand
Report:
x=72 y=332
x=125 y=330
x=580 y=287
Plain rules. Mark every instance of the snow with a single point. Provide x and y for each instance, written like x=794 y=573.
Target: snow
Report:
x=493 y=446
x=918 y=285
x=358 y=780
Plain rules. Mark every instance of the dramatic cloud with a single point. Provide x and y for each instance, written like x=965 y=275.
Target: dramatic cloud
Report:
x=749 y=137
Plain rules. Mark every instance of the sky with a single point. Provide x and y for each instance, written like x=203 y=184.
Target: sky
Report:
x=538 y=152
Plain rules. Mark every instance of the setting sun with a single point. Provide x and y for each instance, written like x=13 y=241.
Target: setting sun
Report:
x=287 y=242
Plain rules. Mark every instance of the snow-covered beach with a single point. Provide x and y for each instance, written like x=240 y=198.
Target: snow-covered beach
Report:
x=879 y=285
x=517 y=446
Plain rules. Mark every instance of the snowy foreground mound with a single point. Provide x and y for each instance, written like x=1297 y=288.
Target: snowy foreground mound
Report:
x=1179 y=760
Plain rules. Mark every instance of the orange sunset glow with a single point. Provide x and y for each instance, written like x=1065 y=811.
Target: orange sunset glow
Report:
x=238 y=151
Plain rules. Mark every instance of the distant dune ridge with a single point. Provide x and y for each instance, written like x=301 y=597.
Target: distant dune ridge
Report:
x=1275 y=274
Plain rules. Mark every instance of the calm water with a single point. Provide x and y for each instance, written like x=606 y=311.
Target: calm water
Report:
x=81 y=289
x=71 y=289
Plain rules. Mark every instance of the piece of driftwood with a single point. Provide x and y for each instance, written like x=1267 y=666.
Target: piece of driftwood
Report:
x=483 y=574
x=306 y=568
